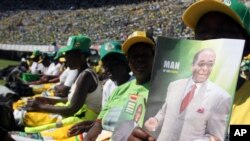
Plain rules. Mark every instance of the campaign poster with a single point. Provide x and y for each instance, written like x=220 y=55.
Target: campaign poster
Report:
x=176 y=64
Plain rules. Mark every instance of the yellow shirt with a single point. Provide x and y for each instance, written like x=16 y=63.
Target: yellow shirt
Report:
x=241 y=106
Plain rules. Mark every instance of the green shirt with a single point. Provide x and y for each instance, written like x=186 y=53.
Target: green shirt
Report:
x=122 y=104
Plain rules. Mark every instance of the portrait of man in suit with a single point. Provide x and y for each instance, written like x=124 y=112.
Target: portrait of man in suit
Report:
x=195 y=108
x=124 y=128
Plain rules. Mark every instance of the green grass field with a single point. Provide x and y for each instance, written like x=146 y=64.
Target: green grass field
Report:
x=5 y=63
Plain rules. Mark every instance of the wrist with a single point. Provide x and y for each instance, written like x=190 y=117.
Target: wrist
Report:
x=98 y=121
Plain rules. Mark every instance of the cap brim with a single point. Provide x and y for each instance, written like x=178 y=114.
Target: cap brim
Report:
x=113 y=52
x=139 y=39
x=65 y=49
x=193 y=14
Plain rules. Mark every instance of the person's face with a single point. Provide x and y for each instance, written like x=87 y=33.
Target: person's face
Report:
x=216 y=25
x=36 y=59
x=141 y=61
x=203 y=66
x=46 y=62
x=73 y=59
x=114 y=67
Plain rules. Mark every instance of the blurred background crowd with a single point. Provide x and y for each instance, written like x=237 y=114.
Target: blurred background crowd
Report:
x=40 y=22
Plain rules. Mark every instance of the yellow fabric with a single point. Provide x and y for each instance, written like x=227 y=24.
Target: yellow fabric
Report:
x=74 y=138
x=104 y=136
x=37 y=89
x=22 y=102
x=99 y=69
x=43 y=121
x=37 y=118
x=56 y=133
x=241 y=106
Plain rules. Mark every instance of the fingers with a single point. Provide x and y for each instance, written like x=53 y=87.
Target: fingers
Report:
x=151 y=124
x=151 y=139
x=77 y=129
x=139 y=134
x=132 y=138
x=29 y=108
x=73 y=131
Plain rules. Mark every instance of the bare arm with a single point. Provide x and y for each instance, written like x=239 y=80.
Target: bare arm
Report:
x=94 y=131
x=61 y=90
x=85 y=84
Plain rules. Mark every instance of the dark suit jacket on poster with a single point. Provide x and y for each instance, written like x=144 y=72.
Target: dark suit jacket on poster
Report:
x=205 y=115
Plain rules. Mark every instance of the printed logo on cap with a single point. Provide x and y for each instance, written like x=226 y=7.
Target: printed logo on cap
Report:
x=228 y=2
x=69 y=41
x=109 y=46
x=77 y=44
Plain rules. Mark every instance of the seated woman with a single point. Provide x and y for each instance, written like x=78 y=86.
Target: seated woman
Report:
x=52 y=71
x=117 y=68
x=83 y=103
x=59 y=89
x=129 y=98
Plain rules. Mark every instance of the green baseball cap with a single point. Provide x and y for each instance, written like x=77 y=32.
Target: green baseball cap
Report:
x=110 y=48
x=233 y=8
x=58 y=55
x=36 y=53
x=79 y=42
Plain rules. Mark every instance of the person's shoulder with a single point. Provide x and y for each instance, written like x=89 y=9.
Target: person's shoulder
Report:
x=87 y=72
x=108 y=83
x=122 y=88
x=71 y=71
x=129 y=83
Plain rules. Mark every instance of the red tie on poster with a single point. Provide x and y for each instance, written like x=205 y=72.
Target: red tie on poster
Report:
x=187 y=99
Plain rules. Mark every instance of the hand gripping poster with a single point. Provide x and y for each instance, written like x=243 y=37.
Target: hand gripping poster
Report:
x=192 y=88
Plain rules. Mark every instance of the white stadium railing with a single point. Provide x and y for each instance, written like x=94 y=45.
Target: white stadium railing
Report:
x=27 y=48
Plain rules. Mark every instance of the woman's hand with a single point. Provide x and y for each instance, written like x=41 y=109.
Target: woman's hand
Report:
x=139 y=134
x=80 y=128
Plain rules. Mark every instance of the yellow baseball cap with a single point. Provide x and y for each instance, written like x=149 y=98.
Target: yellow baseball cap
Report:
x=233 y=8
x=136 y=37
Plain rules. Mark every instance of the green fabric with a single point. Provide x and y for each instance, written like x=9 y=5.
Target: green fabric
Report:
x=81 y=115
x=88 y=115
x=58 y=55
x=79 y=42
x=243 y=12
x=36 y=53
x=114 y=107
x=28 y=77
x=109 y=48
x=63 y=122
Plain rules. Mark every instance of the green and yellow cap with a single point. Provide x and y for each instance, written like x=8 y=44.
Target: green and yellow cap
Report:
x=110 y=48
x=136 y=37
x=79 y=42
x=233 y=8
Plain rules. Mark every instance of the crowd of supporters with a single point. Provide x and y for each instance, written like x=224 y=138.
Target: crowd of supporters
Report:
x=112 y=20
